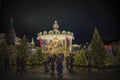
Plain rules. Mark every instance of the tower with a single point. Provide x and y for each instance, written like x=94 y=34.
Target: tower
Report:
x=10 y=34
x=32 y=42
x=55 y=26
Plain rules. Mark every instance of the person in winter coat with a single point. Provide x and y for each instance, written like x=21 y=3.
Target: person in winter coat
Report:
x=22 y=64
x=52 y=64
x=59 y=66
x=18 y=65
x=46 y=69
x=6 y=64
x=67 y=62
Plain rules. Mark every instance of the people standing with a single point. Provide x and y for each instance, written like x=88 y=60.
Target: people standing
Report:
x=6 y=64
x=71 y=61
x=22 y=64
x=67 y=62
x=18 y=65
x=59 y=66
x=46 y=69
x=46 y=63
x=52 y=64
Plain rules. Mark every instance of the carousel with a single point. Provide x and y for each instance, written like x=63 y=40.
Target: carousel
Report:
x=55 y=41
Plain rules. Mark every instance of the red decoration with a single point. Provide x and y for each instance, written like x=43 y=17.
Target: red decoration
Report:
x=40 y=42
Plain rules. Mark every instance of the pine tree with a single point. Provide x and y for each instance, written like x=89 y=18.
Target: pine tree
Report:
x=97 y=51
x=23 y=49
x=3 y=51
x=12 y=51
x=110 y=59
x=40 y=56
x=36 y=58
x=80 y=58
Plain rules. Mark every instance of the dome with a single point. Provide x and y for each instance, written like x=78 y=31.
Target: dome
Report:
x=40 y=33
x=45 y=32
x=63 y=32
x=68 y=32
x=50 y=32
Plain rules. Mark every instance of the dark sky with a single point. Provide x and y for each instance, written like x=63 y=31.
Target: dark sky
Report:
x=78 y=16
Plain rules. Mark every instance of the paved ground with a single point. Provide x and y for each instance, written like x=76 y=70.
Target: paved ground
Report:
x=38 y=74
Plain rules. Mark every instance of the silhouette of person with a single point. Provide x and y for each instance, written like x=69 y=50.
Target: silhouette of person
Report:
x=18 y=65
x=52 y=65
x=71 y=61
x=59 y=66
x=6 y=64
x=67 y=62
x=46 y=67
x=22 y=64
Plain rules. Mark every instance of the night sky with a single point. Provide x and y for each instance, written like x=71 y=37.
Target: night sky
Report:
x=78 y=16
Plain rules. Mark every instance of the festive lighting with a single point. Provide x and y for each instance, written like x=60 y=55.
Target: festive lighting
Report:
x=56 y=41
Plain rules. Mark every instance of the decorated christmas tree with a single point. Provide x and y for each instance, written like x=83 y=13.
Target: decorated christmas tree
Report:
x=97 y=51
x=23 y=49
x=40 y=56
x=80 y=58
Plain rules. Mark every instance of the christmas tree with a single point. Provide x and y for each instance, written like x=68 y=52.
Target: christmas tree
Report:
x=80 y=58
x=23 y=49
x=97 y=51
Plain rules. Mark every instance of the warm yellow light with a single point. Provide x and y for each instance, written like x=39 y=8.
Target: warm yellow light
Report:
x=56 y=40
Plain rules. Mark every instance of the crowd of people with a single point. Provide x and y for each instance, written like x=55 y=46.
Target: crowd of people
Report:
x=20 y=65
x=55 y=62
x=52 y=63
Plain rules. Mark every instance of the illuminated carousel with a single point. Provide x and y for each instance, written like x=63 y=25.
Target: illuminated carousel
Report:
x=55 y=41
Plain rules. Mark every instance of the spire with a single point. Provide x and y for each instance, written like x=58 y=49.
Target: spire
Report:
x=55 y=21
x=11 y=21
x=10 y=33
x=32 y=41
